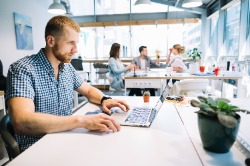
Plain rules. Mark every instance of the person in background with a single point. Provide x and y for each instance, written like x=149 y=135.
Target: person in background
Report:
x=116 y=68
x=40 y=89
x=176 y=62
x=142 y=62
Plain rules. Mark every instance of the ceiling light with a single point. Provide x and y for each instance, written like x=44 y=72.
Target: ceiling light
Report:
x=57 y=8
x=143 y=2
x=191 y=3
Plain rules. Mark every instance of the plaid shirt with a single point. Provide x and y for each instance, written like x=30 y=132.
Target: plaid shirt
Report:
x=33 y=77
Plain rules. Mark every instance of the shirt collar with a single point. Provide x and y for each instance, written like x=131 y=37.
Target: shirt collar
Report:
x=46 y=63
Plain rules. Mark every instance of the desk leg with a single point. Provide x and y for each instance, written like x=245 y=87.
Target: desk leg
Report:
x=240 y=89
x=125 y=88
x=163 y=86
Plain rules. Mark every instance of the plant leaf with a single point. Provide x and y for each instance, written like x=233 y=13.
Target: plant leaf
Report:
x=222 y=99
x=241 y=110
x=227 y=120
x=211 y=102
x=204 y=106
x=201 y=112
x=221 y=104
x=209 y=111
x=232 y=107
x=202 y=99
x=225 y=107
x=195 y=103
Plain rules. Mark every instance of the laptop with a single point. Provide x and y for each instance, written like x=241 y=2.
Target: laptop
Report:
x=136 y=116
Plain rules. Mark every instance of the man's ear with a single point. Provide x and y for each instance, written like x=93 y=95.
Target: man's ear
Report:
x=50 y=40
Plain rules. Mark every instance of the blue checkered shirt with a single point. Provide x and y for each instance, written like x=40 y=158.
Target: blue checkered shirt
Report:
x=33 y=77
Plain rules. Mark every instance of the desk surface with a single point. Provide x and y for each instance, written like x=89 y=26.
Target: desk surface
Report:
x=160 y=74
x=166 y=142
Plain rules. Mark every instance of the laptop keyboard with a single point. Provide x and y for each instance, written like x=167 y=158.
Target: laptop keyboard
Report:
x=139 y=115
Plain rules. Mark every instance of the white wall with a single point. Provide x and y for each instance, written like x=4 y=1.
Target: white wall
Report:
x=37 y=10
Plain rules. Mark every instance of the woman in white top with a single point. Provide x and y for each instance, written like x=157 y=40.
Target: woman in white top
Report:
x=176 y=62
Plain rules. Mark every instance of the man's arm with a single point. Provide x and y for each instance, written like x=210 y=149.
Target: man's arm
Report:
x=28 y=122
x=94 y=95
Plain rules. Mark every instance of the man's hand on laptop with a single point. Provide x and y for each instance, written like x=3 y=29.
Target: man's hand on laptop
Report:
x=100 y=122
x=108 y=104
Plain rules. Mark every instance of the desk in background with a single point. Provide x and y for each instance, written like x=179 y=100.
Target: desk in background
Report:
x=157 y=79
x=166 y=142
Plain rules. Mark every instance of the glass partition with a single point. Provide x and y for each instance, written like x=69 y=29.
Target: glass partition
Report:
x=96 y=42
x=213 y=39
x=232 y=31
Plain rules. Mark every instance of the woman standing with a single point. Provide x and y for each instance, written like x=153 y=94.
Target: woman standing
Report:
x=176 y=62
x=116 y=68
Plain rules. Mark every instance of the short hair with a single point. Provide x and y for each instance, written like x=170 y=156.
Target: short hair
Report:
x=56 y=25
x=114 y=51
x=180 y=49
x=141 y=48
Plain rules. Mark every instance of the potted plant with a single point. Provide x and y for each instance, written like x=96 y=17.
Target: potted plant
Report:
x=195 y=55
x=146 y=96
x=218 y=123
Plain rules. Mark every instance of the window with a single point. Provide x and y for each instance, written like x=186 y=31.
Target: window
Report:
x=123 y=7
x=232 y=30
x=248 y=32
x=80 y=7
x=213 y=40
x=96 y=42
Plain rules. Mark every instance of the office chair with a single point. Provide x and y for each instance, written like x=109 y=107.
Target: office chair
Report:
x=77 y=64
x=194 y=88
x=110 y=79
x=7 y=133
x=101 y=69
x=2 y=78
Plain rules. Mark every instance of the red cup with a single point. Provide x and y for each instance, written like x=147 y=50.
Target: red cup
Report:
x=202 y=69
x=216 y=71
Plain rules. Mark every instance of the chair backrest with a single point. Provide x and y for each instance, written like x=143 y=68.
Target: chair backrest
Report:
x=110 y=79
x=196 y=84
x=100 y=65
x=190 y=87
x=77 y=64
x=7 y=133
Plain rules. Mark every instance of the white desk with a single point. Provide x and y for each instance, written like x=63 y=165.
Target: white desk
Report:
x=157 y=79
x=234 y=157
x=166 y=142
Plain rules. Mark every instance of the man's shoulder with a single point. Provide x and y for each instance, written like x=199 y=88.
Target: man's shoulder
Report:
x=136 y=58
x=26 y=63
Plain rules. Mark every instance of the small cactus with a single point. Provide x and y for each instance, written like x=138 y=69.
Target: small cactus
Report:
x=146 y=93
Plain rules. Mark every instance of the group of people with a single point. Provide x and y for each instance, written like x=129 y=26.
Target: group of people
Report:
x=40 y=87
x=143 y=61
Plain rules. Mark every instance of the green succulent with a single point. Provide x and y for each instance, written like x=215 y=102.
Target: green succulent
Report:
x=218 y=108
x=194 y=54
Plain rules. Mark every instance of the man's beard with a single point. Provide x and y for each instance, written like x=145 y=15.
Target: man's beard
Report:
x=61 y=57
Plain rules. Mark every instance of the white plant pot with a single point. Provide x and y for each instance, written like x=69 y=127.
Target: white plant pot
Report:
x=194 y=68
